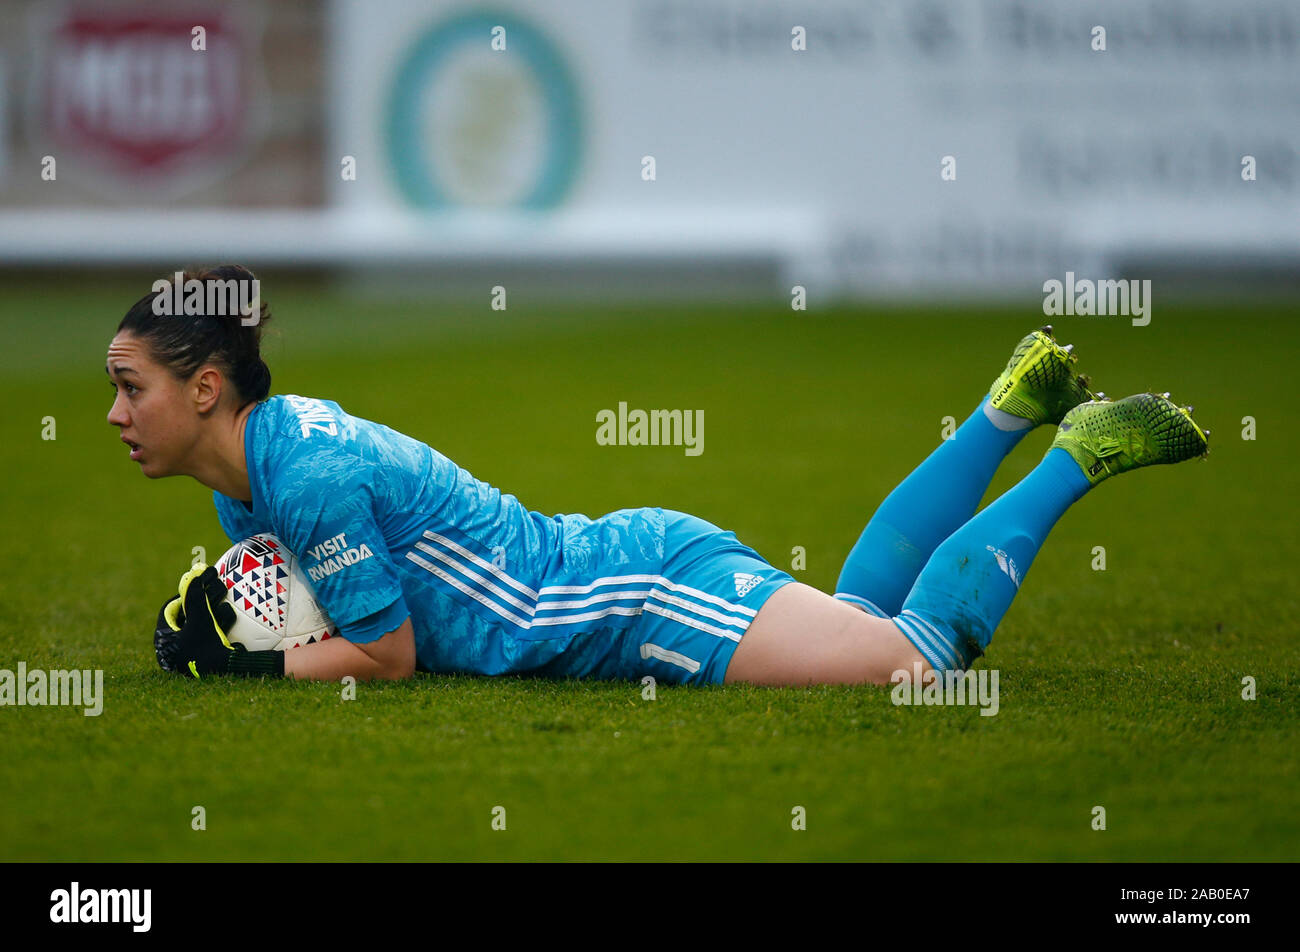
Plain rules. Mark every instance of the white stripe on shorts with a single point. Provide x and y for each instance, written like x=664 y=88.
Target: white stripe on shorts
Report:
x=741 y=623
x=480 y=582
x=692 y=622
x=705 y=596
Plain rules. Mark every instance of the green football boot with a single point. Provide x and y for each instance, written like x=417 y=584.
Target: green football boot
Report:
x=1040 y=383
x=1106 y=437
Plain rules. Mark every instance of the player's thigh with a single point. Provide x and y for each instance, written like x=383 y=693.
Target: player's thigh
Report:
x=803 y=636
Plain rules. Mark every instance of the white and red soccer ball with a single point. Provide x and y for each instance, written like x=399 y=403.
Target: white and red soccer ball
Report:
x=275 y=608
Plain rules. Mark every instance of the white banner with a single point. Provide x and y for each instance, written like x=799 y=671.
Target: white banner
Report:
x=970 y=144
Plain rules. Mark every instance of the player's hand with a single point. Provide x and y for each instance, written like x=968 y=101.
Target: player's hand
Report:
x=189 y=638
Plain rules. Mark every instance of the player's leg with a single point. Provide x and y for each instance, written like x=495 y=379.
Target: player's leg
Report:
x=1038 y=385
x=803 y=636
x=967 y=585
x=969 y=582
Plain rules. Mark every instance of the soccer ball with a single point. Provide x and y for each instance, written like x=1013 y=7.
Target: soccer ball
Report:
x=275 y=608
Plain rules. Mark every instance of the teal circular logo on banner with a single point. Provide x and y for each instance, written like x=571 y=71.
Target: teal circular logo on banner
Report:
x=469 y=124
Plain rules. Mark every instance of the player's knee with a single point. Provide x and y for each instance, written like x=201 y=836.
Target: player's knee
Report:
x=889 y=651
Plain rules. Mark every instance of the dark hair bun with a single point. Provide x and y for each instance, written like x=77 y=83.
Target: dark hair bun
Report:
x=227 y=332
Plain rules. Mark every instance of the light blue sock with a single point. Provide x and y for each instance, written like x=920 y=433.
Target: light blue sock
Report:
x=969 y=582
x=925 y=508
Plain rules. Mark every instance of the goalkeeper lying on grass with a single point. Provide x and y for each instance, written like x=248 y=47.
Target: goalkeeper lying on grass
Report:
x=636 y=592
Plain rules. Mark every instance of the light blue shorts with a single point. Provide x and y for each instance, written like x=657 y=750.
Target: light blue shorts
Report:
x=694 y=616
x=713 y=585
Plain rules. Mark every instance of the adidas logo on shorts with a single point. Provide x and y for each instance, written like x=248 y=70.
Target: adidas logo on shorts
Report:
x=745 y=583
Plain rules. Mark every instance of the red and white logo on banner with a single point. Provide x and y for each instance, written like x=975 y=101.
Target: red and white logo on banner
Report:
x=148 y=94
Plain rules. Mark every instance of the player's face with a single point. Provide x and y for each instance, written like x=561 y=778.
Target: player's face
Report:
x=150 y=408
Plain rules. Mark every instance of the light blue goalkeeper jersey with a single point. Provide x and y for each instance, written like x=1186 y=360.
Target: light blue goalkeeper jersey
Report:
x=385 y=527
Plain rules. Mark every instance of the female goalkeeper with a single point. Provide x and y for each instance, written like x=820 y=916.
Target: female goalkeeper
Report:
x=422 y=566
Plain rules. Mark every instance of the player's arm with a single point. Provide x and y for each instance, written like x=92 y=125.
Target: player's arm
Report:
x=323 y=499
x=190 y=639
x=389 y=658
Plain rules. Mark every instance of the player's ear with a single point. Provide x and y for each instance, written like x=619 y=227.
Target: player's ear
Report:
x=207 y=388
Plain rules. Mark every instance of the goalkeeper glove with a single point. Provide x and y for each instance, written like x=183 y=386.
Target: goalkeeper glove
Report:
x=189 y=638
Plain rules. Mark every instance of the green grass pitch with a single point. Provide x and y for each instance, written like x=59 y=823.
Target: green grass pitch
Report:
x=1120 y=688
